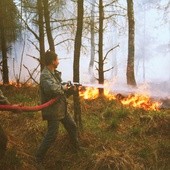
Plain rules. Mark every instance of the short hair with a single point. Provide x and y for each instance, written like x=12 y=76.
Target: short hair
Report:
x=49 y=57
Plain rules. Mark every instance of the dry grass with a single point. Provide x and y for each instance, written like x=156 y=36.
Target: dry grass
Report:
x=114 y=137
x=113 y=159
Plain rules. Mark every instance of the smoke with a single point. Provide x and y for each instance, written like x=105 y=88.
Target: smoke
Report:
x=152 y=61
x=154 y=90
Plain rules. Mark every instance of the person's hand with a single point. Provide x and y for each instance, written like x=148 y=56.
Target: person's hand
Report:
x=75 y=88
x=65 y=87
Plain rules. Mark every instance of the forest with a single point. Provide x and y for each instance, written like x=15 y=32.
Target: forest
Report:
x=122 y=115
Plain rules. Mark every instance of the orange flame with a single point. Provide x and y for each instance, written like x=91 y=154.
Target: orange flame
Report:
x=136 y=100
x=109 y=95
x=89 y=93
x=141 y=101
x=18 y=84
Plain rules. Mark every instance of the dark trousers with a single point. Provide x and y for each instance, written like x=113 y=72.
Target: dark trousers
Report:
x=53 y=126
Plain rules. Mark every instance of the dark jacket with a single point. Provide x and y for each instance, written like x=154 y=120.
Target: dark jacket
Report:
x=51 y=87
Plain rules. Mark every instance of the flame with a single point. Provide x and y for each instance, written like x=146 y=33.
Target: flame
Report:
x=109 y=95
x=136 y=100
x=89 y=93
x=141 y=101
x=18 y=84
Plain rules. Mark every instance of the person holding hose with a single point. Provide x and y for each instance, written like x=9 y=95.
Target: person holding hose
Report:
x=51 y=87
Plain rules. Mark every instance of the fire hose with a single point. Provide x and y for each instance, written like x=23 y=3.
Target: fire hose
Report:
x=19 y=108
x=27 y=108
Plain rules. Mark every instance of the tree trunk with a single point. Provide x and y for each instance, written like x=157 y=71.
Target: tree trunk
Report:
x=5 y=75
x=100 y=70
x=41 y=33
x=47 y=23
x=144 y=37
x=76 y=64
x=91 y=64
x=131 y=49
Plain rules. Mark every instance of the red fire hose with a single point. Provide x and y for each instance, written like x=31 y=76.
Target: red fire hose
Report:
x=27 y=108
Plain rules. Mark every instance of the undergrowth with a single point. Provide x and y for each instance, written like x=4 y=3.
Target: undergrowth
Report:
x=113 y=136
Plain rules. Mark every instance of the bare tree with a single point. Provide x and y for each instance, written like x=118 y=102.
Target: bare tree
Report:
x=131 y=48
x=100 y=46
x=47 y=23
x=41 y=31
x=92 y=32
x=104 y=16
x=76 y=64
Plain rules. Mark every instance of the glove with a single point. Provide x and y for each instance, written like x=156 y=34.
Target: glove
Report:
x=70 y=91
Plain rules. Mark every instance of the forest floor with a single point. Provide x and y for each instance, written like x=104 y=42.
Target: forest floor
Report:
x=114 y=137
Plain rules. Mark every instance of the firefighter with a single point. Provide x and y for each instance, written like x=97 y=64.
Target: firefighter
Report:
x=50 y=87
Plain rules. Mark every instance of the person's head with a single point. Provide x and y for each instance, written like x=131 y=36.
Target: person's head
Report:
x=51 y=58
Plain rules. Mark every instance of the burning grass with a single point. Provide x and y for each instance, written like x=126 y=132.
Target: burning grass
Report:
x=134 y=100
x=114 y=136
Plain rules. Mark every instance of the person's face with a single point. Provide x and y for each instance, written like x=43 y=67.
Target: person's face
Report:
x=55 y=62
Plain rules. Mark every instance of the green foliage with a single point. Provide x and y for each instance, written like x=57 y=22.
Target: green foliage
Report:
x=9 y=20
x=122 y=113
x=164 y=148
x=144 y=152
x=114 y=116
x=114 y=123
x=92 y=124
x=135 y=131
x=22 y=98
x=23 y=95
x=108 y=113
